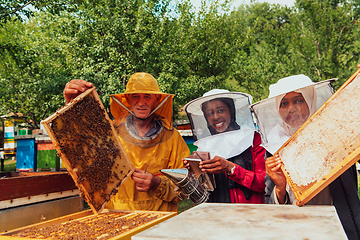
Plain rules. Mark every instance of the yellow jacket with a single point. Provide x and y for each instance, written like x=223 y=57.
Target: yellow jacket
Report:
x=164 y=155
x=164 y=151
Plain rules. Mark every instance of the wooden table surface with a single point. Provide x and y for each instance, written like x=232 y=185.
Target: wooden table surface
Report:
x=249 y=221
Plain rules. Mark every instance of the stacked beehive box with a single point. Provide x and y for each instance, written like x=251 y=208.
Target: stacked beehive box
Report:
x=109 y=224
x=46 y=154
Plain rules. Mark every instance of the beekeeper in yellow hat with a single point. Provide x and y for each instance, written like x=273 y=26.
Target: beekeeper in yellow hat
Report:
x=143 y=119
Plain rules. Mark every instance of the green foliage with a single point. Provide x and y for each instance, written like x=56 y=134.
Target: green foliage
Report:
x=116 y=39
x=325 y=40
x=9 y=166
x=315 y=38
x=264 y=58
x=32 y=73
x=198 y=52
x=22 y=9
x=185 y=205
x=190 y=53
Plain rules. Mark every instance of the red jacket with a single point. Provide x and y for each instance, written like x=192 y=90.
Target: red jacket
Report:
x=254 y=179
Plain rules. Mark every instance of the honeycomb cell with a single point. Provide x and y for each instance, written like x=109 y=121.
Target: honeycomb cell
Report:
x=86 y=140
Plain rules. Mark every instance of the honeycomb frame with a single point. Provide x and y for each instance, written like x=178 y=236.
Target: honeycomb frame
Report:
x=88 y=144
x=109 y=224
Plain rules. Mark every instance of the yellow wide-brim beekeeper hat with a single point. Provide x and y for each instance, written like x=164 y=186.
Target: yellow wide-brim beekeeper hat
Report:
x=143 y=83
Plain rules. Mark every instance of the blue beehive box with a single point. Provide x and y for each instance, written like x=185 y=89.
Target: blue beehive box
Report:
x=190 y=143
x=26 y=154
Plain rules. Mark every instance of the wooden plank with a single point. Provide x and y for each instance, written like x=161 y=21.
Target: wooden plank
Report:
x=35 y=184
x=45 y=146
x=214 y=221
x=37 y=198
x=90 y=148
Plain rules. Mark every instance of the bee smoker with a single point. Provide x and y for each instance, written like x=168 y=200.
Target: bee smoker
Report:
x=188 y=184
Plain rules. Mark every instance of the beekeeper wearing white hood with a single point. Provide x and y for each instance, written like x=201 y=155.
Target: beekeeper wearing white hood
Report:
x=222 y=124
x=291 y=102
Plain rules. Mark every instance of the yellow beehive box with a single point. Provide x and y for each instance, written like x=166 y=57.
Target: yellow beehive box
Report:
x=87 y=143
x=109 y=224
x=326 y=145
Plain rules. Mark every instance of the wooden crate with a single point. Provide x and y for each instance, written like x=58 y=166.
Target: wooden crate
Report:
x=109 y=224
x=326 y=145
x=20 y=188
x=87 y=142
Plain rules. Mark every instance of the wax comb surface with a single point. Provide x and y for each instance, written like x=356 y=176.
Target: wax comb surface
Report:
x=86 y=141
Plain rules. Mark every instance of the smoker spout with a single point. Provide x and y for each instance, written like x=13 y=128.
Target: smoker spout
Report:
x=176 y=175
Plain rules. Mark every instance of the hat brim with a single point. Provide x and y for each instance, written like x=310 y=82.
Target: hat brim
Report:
x=316 y=85
x=194 y=106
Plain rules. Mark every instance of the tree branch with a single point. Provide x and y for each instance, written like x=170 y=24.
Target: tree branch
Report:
x=16 y=10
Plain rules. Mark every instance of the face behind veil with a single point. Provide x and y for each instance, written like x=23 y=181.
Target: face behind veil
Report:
x=216 y=118
x=220 y=115
x=296 y=98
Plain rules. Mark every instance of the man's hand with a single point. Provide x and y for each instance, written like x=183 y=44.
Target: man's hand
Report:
x=74 y=88
x=273 y=170
x=216 y=165
x=145 y=181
